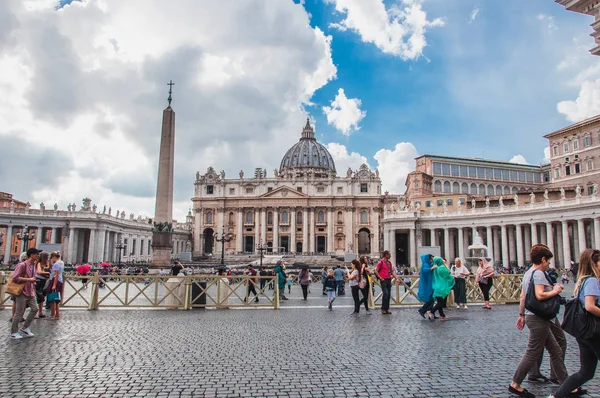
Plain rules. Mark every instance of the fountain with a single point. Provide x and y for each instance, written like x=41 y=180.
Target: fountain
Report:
x=476 y=251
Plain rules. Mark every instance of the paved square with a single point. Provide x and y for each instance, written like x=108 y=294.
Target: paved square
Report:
x=302 y=350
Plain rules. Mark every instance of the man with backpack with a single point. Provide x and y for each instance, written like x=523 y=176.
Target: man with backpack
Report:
x=385 y=272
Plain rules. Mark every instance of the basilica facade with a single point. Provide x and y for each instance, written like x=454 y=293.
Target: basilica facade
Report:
x=304 y=208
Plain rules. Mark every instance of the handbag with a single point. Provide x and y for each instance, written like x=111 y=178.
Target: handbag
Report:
x=53 y=296
x=578 y=322
x=13 y=288
x=362 y=283
x=546 y=309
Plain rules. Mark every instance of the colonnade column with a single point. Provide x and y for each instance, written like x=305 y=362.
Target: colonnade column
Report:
x=72 y=248
x=263 y=227
x=256 y=228
x=505 y=260
x=565 y=244
x=446 y=245
x=239 y=239
x=519 y=238
x=512 y=252
x=292 y=231
x=413 y=247
x=329 y=230
x=527 y=239
x=489 y=232
x=92 y=246
x=311 y=232
x=275 y=230
x=581 y=236
x=8 y=244
x=432 y=237
x=375 y=246
x=461 y=244
x=550 y=240
x=304 y=230
x=596 y=233
x=392 y=247
x=534 y=235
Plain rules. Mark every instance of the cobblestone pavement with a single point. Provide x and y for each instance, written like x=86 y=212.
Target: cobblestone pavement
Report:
x=302 y=350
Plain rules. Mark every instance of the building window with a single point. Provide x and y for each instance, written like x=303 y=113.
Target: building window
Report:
x=447 y=187
x=321 y=216
x=250 y=190
x=473 y=189
x=340 y=217
x=231 y=218
x=299 y=218
x=449 y=202
x=437 y=168
x=568 y=170
x=577 y=168
x=440 y=203
x=418 y=204
x=340 y=190
x=566 y=147
x=555 y=151
x=556 y=173
x=590 y=165
x=587 y=141
x=428 y=203
x=364 y=188
x=462 y=201
x=464 y=172
x=299 y=189
x=498 y=190
x=133 y=242
x=437 y=186
x=575 y=145
x=416 y=184
x=320 y=189
x=270 y=218
x=464 y=188
x=490 y=190
x=269 y=189
x=249 y=217
x=456 y=187
x=364 y=217
x=209 y=217
x=590 y=190
x=481 y=190
x=210 y=189
x=232 y=191
x=285 y=216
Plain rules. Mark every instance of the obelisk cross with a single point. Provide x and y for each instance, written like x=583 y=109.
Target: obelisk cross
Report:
x=170 y=84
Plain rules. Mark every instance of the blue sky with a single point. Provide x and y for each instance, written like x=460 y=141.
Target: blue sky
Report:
x=487 y=87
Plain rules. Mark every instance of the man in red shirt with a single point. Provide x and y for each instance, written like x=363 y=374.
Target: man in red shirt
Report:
x=25 y=273
x=385 y=272
x=251 y=283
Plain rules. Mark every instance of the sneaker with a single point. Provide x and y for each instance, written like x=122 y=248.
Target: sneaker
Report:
x=27 y=332
x=421 y=313
x=430 y=315
x=329 y=307
x=458 y=307
x=15 y=336
x=465 y=307
x=538 y=379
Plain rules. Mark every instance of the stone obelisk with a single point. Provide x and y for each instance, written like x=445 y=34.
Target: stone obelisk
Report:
x=162 y=234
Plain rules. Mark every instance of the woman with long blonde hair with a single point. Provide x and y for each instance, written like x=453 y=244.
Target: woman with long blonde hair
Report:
x=587 y=290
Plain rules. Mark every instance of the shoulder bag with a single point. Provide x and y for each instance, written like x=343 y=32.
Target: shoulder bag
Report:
x=578 y=322
x=13 y=288
x=546 y=309
x=363 y=280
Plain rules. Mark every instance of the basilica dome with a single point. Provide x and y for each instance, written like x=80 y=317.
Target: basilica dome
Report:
x=308 y=154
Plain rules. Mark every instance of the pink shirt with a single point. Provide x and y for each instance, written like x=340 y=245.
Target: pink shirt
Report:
x=25 y=269
x=384 y=268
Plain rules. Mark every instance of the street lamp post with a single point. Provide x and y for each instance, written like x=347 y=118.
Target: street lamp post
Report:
x=262 y=248
x=223 y=238
x=25 y=237
x=119 y=246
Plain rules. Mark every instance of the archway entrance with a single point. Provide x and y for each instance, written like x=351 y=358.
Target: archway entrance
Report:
x=321 y=244
x=299 y=247
x=249 y=244
x=208 y=240
x=364 y=241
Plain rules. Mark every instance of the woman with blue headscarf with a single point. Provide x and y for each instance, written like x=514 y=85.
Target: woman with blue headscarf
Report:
x=443 y=282
x=281 y=277
x=425 y=284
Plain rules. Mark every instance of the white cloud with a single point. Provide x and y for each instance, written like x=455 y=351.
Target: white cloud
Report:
x=344 y=113
x=87 y=85
x=399 y=31
x=394 y=165
x=546 y=158
x=586 y=105
x=550 y=22
x=474 y=14
x=520 y=159
x=343 y=159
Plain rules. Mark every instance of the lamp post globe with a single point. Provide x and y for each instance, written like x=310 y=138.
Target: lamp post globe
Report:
x=223 y=238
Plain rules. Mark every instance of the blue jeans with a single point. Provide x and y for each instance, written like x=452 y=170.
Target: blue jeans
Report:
x=339 y=285
x=386 y=290
x=330 y=295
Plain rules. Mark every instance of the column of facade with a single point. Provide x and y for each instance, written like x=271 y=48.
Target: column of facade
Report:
x=256 y=213
x=329 y=230
x=71 y=248
x=263 y=227
x=349 y=235
x=293 y=230
x=497 y=252
x=276 y=230
x=550 y=240
x=375 y=246
x=101 y=242
x=413 y=247
x=560 y=256
x=453 y=238
x=581 y=235
x=543 y=235
x=8 y=244
x=566 y=248
x=512 y=250
x=527 y=238
x=239 y=239
x=311 y=232
x=534 y=234
x=392 y=247
x=446 y=245
x=461 y=244
x=304 y=230
x=197 y=231
x=596 y=233
x=432 y=237
x=505 y=259
x=489 y=236
x=92 y=246
x=519 y=238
